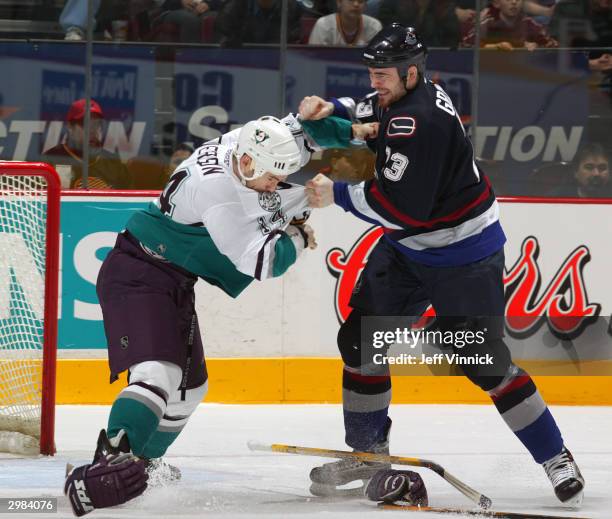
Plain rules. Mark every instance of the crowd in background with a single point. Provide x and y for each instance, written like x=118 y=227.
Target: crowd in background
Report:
x=504 y=24
x=452 y=24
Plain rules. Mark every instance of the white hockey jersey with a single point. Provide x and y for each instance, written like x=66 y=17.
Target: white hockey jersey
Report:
x=208 y=223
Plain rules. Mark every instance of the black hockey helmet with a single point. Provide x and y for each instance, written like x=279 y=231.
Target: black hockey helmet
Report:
x=396 y=46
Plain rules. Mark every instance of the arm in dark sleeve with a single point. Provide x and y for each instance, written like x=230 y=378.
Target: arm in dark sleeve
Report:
x=352 y=198
x=537 y=33
x=230 y=22
x=341 y=109
x=214 y=5
x=293 y=23
x=362 y=110
x=172 y=5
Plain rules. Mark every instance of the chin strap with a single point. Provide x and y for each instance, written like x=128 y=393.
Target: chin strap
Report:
x=242 y=178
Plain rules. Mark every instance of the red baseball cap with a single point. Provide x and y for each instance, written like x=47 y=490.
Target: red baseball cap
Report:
x=77 y=110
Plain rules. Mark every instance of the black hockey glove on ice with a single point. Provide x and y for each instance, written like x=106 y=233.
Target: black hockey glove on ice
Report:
x=112 y=480
x=390 y=485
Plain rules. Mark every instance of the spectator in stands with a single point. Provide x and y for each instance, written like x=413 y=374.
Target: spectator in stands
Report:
x=504 y=26
x=436 y=21
x=315 y=8
x=255 y=21
x=600 y=60
x=600 y=65
x=186 y=15
x=105 y=169
x=149 y=172
x=591 y=174
x=598 y=84
x=540 y=10
x=583 y=23
x=181 y=152
x=73 y=18
x=347 y=27
x=465 y=10
x=324 y=7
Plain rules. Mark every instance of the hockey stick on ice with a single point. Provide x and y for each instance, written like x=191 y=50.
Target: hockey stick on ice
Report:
x=475 y=496
x=477 y=513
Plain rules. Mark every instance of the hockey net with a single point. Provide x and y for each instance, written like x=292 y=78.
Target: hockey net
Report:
x=29 y=246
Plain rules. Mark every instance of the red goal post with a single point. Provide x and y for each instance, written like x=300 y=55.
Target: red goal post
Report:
x=29 y=269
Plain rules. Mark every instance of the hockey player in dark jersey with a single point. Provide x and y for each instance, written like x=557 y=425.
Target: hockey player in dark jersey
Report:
x=443 y=244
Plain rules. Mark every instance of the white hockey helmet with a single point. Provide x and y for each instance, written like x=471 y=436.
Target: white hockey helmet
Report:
x=271 y=145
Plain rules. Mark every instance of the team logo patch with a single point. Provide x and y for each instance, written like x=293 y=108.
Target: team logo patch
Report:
x=364 y=109
x=125 y=342
x=260 y=136
x=270 y=201
x=411 y=38
x=401 y=127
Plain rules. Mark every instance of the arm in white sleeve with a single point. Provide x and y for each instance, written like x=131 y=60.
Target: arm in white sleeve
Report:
x=252 y=253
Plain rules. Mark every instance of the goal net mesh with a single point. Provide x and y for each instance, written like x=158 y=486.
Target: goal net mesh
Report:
x=23 y=215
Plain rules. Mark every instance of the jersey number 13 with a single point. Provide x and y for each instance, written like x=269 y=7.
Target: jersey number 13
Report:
x=397 y=167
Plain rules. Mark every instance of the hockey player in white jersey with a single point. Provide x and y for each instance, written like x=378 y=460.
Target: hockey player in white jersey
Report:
x=236 y=196
x=226 y=216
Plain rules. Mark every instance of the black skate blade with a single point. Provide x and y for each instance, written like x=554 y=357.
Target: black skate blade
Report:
x=475 y=513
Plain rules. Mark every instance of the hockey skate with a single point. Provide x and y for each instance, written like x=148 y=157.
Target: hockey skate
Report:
x=328 y=477
x=161 y=473
x=566 y=478
x=104 y=446
x=117 y=445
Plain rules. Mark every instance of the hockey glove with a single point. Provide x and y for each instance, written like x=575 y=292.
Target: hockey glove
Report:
x=112 y=480
x=300 y=219
x=302 y=236
x=390 y=485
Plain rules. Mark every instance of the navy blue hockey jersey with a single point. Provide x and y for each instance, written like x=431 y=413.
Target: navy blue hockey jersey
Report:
x=435 y=204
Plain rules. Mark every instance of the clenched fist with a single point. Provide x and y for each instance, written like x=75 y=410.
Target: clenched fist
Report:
x=320 y=191
x=365 y=131
x=302 y=232
x=312 y=242
x=313 y=108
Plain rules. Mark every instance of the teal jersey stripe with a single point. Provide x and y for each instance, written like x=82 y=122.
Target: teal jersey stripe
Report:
x=158 y=444
x=136 y=419
x=284 y=255
x=188 y=247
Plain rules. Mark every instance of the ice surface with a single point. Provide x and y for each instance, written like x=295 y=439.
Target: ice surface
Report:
x=223 y=479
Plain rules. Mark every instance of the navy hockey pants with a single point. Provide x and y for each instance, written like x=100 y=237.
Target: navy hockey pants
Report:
x=468 y=297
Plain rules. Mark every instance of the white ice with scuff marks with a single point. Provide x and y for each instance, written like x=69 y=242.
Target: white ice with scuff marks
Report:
x=223 y=479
